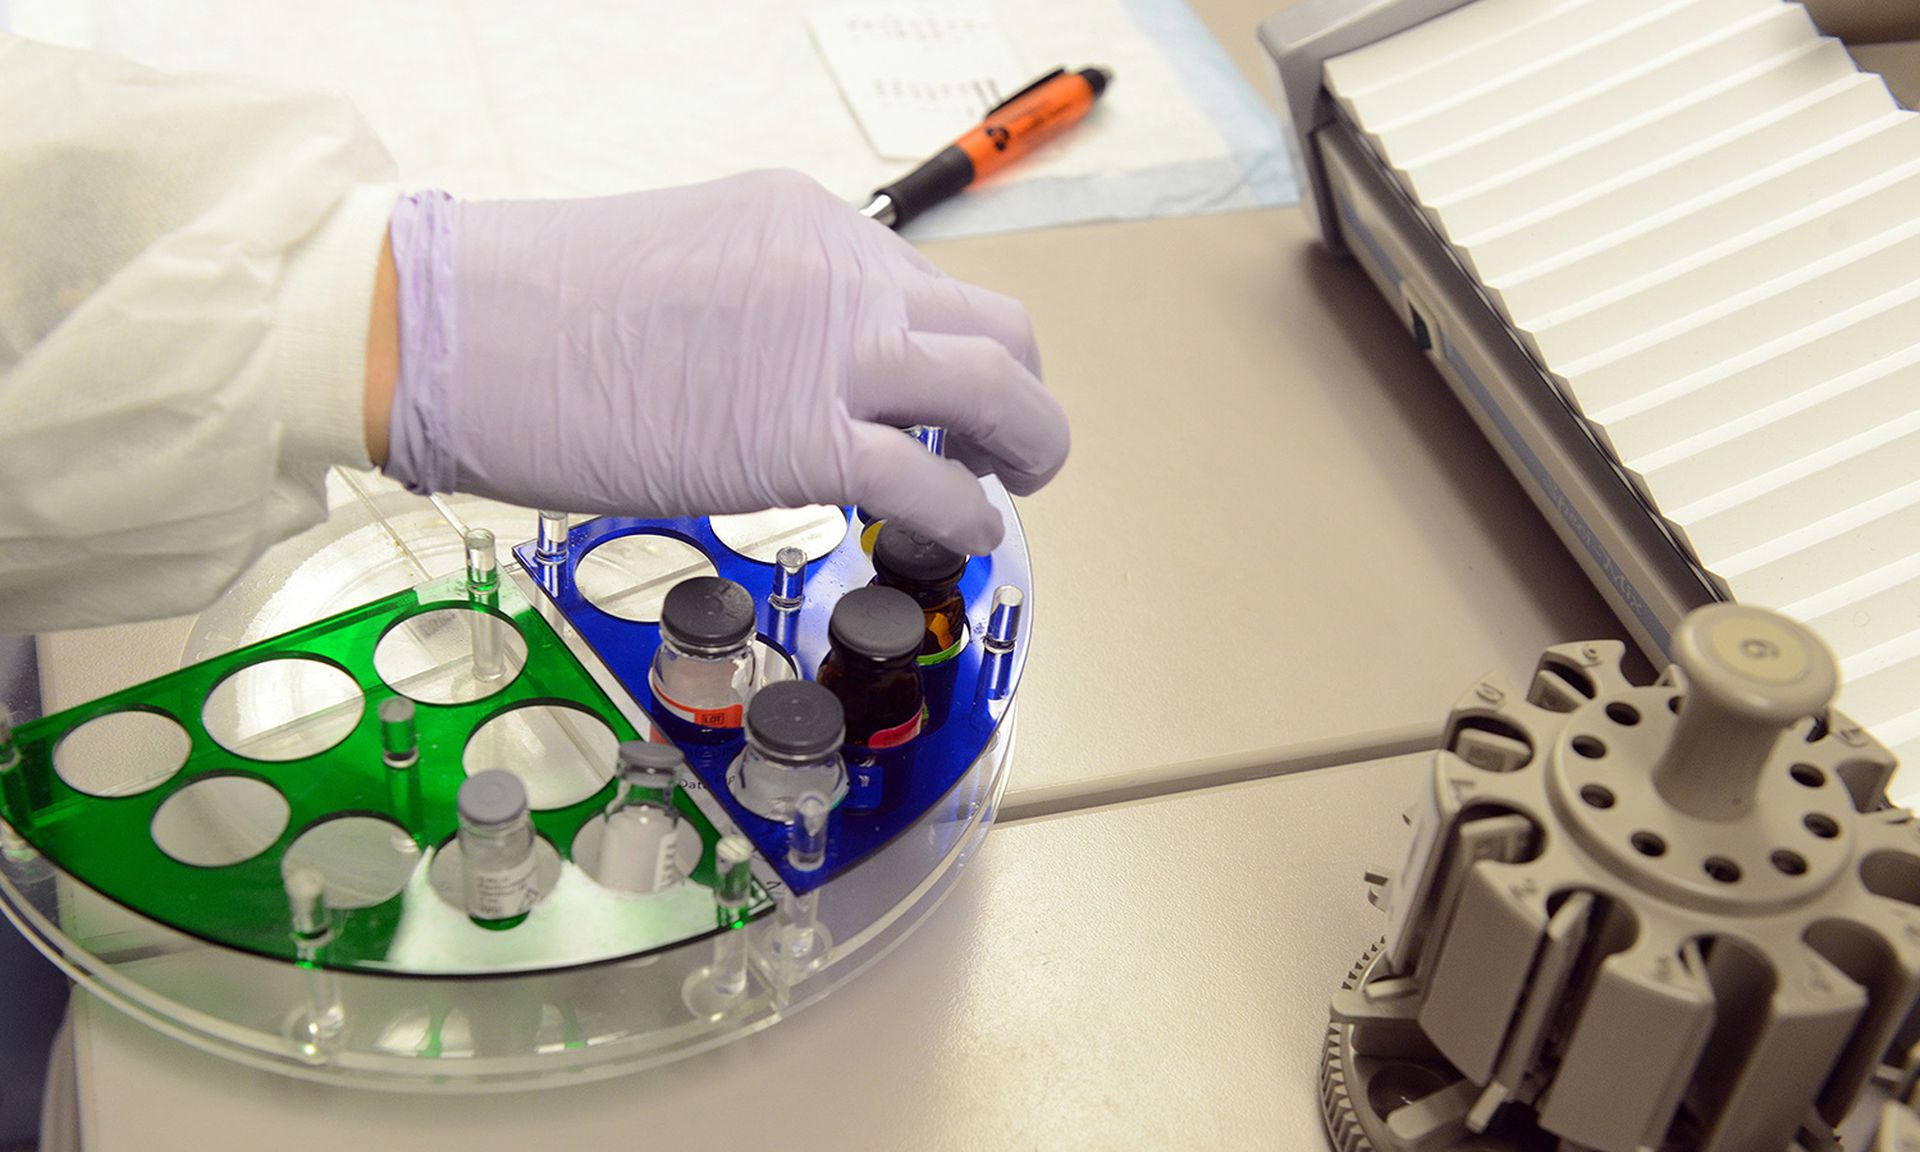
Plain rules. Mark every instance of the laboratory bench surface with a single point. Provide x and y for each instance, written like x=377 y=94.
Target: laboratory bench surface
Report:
x=1278 y=532
x=1278 y=526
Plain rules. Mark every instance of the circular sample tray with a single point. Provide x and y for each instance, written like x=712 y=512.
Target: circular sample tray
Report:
x=150 y=861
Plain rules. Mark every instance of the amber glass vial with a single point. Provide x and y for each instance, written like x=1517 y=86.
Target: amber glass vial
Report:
x=929 y=572
x=872 y=665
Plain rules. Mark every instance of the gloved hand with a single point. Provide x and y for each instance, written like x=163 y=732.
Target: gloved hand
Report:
x=725 y=347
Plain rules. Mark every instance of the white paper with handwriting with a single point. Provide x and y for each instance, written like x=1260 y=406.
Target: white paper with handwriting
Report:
x=916 y=74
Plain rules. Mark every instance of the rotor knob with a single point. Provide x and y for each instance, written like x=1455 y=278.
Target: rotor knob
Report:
x=1750 y=674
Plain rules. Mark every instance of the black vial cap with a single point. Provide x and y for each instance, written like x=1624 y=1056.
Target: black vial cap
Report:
x=877 y=623
x=707 y=614
x=796 y=720
x=900 y=553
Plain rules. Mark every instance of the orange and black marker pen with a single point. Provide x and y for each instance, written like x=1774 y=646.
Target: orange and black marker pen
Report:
x=1018 y=125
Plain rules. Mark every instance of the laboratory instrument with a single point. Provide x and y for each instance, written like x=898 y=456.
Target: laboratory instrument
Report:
x=1676 y=915
x=1666 y=257
x=269 y=853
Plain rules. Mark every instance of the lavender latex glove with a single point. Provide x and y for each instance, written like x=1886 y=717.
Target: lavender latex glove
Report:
x=725 y=347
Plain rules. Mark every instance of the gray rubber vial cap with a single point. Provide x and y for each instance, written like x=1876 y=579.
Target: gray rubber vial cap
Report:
x=646 y=756
x=901 y=552
x=492 y=798
x=797 y=720
x=878 y=623
x=707 y=614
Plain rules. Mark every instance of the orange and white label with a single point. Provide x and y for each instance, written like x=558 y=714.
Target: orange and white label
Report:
x=731 y=716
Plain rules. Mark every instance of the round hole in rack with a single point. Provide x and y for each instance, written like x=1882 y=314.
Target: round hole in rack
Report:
x=771 y=665
x=1721 y=869
x=1597 y=796
x=628 y=576
x=1625 y=715
x=1590 y=747
x=122 y=753
x=1789 y=862
x=816 y=529
x=1673 y=705
x=284 y=708
x=1822 y=825
x=1807 y=775
x=1648 y=844
x=450 y=655
x=365 y=860
x=220 y=820
x=562 y=753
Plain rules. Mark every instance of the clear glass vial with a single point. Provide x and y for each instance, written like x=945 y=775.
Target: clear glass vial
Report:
x=930 y=572
x=872 y=666
x=640 y=846
x=794 y=732
x=703 y=670
x=497 y=849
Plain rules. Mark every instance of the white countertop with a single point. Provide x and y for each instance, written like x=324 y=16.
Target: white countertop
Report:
x=1277 y=527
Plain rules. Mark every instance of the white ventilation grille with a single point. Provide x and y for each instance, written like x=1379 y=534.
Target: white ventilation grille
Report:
x=1704 y=222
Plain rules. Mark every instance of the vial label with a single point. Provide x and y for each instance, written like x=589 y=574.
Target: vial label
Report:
x=500 y=893
x=731 y=716
x=666 y=861
x=945 y=654
x=640 y=852
x=898 y=734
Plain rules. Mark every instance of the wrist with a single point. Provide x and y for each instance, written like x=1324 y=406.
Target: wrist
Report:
x=419 y=441
x=383 y=353
x=320 y=332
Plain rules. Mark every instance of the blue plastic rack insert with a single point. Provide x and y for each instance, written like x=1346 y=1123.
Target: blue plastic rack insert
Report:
x=908 y=781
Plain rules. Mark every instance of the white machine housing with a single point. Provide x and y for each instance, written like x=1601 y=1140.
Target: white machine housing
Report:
x=1665 y=253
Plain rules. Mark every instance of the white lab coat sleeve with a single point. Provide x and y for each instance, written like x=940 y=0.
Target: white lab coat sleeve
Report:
x=186 y=276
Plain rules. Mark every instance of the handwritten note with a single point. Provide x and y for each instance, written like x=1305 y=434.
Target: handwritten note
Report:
x=916 y=74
